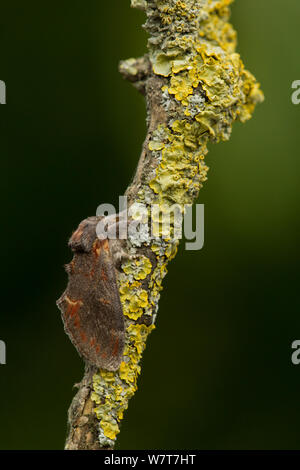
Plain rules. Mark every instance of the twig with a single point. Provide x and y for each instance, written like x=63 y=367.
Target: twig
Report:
x=195 y=87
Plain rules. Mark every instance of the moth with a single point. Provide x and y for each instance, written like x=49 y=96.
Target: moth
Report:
x=91 y=307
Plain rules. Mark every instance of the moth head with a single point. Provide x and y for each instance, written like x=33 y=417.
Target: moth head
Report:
x=85 y=235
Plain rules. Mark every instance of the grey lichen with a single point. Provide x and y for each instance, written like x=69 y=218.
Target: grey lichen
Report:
x=140 y=4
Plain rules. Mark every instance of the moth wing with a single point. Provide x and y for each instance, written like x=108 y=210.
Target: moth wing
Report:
x=91 y=307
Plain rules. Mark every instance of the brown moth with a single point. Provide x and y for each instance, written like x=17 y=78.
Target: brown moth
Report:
x=91 y=308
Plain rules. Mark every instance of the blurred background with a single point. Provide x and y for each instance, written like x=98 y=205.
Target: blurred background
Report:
x=217 y=371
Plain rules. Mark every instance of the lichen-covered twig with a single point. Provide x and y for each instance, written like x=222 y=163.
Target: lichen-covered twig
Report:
x=195 y=86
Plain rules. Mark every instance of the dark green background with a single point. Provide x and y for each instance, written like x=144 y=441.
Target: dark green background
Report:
x=217 y=372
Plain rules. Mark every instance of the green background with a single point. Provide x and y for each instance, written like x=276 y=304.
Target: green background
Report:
x=217 y=371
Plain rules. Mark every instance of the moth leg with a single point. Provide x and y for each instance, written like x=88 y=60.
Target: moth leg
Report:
x=119 y=253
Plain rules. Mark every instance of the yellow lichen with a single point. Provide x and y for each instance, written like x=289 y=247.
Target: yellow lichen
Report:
x=110 y=429
x=134 y=299
x=139 y=268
